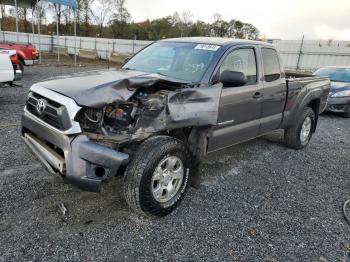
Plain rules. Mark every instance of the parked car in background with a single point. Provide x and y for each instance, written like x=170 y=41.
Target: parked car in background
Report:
x=27 y=54
x=13 y=57
x=339 y=96
x=9 y=70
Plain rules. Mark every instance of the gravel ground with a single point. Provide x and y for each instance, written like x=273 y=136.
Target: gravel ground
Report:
x=259 y=202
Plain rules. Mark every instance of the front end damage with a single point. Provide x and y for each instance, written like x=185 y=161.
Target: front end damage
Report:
x=87 y=136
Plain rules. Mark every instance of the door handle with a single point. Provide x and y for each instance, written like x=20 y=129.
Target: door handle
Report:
x=257 y=95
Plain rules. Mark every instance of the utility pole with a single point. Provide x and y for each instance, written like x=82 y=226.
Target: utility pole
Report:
x=38 y=20
x=75 y=38
x=16 y=10
x=58 y=32
x=300 y=52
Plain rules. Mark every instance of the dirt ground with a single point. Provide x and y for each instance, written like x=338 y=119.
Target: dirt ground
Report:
x=51 y=60
x=259 y=201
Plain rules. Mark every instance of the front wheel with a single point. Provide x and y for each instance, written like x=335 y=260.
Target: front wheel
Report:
x=298 y=136
x=156 y=179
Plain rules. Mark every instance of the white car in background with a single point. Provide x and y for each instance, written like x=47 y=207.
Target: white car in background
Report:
x=9 y=69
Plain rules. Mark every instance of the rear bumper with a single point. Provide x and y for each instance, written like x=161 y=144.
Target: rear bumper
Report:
x=29 y=62
x=81 y=161
x=338 y=105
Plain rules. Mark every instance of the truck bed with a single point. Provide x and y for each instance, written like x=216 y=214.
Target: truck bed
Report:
x=299 y=90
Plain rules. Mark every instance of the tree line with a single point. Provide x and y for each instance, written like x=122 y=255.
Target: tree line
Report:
x=111 y=19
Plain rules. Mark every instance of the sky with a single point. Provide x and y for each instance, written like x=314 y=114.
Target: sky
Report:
x=282 y=19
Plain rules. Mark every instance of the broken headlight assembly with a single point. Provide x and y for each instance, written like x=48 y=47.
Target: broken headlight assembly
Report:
x=93 y=115
x=119 y=116
x=112 y=118
x=90 y=119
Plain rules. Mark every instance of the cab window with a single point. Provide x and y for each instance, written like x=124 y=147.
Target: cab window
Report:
x=272 y=70
x=242 y=60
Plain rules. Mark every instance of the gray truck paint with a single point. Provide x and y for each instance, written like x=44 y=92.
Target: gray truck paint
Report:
x=219 y=117
x=81 y=155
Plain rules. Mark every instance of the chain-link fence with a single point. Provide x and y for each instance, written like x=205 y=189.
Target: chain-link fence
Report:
x=309 y=55
x=297 y=54
x=103 y=46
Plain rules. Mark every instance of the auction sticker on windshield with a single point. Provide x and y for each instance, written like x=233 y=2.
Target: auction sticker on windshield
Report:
x=207 y=47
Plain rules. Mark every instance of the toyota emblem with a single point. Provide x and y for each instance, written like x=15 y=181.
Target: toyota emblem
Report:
x=40 y=107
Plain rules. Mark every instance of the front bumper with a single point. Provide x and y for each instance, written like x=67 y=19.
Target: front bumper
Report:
x=79 y=160
x=29 y=62
x=338 y=104
x=18 y=75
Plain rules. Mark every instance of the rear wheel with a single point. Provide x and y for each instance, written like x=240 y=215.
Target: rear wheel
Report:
x=298 y=136
x=156 y=179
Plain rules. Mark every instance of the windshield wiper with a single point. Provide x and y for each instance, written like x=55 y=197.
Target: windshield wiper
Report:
x=162 y=74
x=341 y=81
x=192 y=84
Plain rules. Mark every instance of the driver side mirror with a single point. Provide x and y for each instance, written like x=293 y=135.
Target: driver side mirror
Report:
x=233 y=78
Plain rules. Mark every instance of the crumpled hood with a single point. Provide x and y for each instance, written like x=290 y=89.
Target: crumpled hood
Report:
x=99 y=88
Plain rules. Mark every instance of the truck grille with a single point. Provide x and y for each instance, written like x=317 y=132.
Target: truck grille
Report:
x=52 y=112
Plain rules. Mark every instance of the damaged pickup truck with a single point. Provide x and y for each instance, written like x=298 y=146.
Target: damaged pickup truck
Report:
x=155 y=119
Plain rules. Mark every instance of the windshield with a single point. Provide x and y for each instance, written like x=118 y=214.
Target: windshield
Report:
x=335 y=74
x=184 y=61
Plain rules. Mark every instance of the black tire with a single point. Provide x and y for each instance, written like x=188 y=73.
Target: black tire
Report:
x=347 y=112
x=292 y=134
x=138 y=176
x=21 y=66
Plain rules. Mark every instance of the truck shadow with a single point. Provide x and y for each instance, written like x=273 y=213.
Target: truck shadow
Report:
x=110 y=204
x=85 y=209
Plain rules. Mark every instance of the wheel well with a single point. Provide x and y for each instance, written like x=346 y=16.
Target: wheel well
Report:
x=196 y=139
x=315 y=106
x=180 y=133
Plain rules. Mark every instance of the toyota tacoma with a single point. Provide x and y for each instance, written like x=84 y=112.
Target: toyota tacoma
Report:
x=155 y=119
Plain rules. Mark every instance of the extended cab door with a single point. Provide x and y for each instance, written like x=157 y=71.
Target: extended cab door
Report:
x=275 y=91
x=240 y=107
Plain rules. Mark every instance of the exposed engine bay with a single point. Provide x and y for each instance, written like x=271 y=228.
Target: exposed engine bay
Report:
x=150 y=110
x=121 y=116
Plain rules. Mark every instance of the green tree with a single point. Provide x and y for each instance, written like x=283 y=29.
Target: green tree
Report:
x=219 y=27
x=200 y=28
x=103 y=13
x=120 y=24
x=160 y=28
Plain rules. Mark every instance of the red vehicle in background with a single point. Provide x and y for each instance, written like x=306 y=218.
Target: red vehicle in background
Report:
x=26 y=53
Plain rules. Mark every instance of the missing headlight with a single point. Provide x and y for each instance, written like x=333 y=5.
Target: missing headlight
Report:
x=93 y=115
x=121 y=115
x=90 y=119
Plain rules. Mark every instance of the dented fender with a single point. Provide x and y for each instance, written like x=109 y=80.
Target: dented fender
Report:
x=195 y=106
x=188 y=107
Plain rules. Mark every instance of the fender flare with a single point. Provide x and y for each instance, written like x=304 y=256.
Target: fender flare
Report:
x=306 y=100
